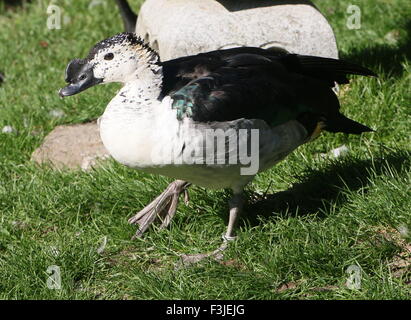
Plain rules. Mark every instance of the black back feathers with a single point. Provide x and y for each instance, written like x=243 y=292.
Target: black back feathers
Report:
x=255 y=83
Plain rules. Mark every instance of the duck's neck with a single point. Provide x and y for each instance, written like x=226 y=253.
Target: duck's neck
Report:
x=144 y=84
x=140 y=93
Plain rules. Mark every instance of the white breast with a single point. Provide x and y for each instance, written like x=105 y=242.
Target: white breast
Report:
x=132 y=131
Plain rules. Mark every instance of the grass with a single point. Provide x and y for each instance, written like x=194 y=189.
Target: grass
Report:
x=320 y=215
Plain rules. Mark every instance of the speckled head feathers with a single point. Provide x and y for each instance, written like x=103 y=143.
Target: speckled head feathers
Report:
x=125 y=38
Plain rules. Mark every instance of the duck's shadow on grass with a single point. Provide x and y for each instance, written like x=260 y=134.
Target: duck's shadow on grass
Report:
x=387 y=57
x=319 y=190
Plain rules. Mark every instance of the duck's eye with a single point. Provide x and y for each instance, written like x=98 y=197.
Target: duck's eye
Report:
x=109 y=56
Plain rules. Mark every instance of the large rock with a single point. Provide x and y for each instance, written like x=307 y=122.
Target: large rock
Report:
x=72 y=146
x=183 y=27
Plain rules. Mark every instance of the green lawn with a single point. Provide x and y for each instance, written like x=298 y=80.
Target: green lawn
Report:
x=319 y=216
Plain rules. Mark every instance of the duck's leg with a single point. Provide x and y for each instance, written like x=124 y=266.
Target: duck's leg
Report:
x=164 y=207
x=236 y=206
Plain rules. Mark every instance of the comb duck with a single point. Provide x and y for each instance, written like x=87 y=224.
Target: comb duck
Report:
x=214 y=119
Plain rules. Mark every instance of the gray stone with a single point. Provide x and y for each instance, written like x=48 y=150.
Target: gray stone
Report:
x=72 y=146
x=183 y=27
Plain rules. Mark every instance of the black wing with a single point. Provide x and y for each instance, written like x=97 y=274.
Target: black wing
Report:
x=262 y=84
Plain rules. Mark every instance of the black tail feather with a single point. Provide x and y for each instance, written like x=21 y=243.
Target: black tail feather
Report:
x=326 y=69
x=335 y=65
x=341 y=123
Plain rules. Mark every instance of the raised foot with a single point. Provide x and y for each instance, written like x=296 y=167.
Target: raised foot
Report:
x=164 y=207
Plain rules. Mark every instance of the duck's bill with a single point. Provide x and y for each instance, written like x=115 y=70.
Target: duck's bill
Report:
x=74 y=88
x=80 y=76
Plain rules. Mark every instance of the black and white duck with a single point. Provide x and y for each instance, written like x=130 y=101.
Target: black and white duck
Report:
x=214 y=119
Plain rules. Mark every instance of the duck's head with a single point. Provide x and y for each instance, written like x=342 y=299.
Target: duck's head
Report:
x=116 y=59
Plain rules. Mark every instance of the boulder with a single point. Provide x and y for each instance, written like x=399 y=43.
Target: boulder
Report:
x=72 y=146
x=184 y=27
